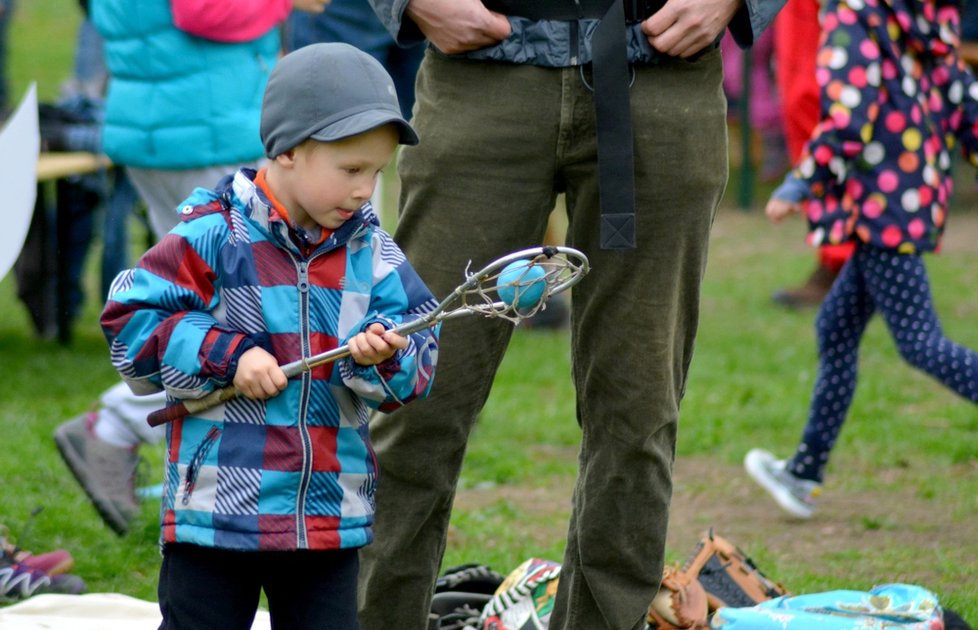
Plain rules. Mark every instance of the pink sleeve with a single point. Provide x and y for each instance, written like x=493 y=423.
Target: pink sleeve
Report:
x=227 y=20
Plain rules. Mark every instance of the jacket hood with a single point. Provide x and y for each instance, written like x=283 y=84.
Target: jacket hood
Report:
x=239 y=190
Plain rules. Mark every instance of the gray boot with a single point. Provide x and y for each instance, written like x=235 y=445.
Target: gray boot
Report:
x=106 y=472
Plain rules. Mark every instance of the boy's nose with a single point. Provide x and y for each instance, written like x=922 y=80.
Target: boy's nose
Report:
x=365 y=190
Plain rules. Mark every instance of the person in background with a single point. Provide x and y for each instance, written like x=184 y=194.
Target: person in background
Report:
x=766 y=115
x=797 y=31
x=896 y=99
x=203 y=66
x=506 y=110
x=354 y=22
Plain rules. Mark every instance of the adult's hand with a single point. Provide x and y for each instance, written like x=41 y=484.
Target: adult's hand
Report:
x=682 y=28
x=310 y=6
x=458 y=26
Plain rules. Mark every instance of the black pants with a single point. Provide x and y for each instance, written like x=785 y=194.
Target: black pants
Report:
x=202 y=587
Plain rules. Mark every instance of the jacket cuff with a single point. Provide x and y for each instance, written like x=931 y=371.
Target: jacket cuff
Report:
x=792 y=189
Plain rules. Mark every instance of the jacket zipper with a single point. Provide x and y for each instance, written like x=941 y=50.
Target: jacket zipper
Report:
x=302 y=541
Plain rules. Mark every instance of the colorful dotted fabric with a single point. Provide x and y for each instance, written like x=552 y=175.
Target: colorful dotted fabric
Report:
x=898 y=288
x=895 y=100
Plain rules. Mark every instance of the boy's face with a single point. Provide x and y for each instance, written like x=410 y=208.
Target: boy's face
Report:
x=324 y=183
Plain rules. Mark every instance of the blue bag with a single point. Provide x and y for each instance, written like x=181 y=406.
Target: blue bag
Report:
x=889 y=606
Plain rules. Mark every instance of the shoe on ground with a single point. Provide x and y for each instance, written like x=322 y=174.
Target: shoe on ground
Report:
x=106 y=472
x=796 y=496
x=55 y=562
x=19 y=582
x=811 y=293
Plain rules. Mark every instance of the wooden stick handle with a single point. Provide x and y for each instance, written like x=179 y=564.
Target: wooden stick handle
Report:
x=191 y=406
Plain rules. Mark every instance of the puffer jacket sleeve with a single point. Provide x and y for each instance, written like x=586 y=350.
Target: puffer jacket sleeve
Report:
x=398 y=296
x=159 y=318
x=848 y=67
x=223 y=21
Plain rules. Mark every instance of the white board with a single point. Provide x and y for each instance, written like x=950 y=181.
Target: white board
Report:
x=20 y=145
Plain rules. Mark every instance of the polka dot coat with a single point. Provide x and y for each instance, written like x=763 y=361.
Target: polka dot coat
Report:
x=895 y=99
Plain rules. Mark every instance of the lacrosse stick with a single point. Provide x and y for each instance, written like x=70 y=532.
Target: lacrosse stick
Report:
x=514 y=287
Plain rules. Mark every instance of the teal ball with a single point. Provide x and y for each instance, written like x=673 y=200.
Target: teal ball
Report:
x=521 y=284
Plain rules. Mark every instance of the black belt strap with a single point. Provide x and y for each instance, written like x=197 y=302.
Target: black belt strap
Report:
x=616 y=165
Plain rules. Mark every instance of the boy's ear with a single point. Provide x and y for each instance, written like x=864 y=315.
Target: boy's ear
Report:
x=286 y=159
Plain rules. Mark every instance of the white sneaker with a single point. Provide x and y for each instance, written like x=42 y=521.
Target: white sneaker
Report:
x=796 y=496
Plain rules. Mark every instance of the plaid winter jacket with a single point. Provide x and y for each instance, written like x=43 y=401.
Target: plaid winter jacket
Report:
x=295 y=471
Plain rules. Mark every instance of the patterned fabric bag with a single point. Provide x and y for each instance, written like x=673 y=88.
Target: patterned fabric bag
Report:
x=525 y=599
x=890 y=606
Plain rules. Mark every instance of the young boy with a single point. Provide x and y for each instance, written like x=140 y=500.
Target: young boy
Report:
x=274 y=489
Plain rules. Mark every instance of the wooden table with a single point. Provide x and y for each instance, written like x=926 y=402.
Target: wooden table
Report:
x=51 y=166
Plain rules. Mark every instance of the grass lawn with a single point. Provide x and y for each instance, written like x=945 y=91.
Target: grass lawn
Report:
x=901 y=497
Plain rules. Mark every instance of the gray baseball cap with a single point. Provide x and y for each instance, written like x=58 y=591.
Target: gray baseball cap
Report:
x=328 y=92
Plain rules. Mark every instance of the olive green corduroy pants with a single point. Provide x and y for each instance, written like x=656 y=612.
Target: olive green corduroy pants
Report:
x=498 y=142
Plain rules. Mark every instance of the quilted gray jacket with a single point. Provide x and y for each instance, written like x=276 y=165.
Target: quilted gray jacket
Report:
x=555 y=44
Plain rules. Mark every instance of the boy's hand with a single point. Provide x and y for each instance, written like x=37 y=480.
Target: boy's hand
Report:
x=778 y=209
x=375 y=345
x=259 y=376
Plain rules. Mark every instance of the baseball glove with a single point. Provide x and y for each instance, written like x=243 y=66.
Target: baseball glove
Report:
x=728 y=575
x=680 y=602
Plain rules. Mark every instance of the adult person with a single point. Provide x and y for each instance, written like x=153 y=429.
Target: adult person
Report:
x=182 y=73
x=506 y=111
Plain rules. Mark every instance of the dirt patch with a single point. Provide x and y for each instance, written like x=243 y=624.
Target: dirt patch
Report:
x=710 y=494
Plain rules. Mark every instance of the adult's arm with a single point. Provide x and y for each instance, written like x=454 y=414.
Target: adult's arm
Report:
x=452 y=26
x=682 y=28
x=237 y=20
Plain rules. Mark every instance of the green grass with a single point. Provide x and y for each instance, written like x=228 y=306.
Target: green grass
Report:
x=908 y=442
x=42 y=41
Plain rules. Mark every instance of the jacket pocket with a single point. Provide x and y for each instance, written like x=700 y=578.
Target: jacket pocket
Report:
x=193 y=468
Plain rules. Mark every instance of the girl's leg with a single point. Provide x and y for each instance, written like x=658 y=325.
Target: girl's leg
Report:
x=901 y=289
x=839 y=327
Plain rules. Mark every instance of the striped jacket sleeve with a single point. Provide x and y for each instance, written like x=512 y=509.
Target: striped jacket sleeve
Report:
x=398 y=296
x=158 y=318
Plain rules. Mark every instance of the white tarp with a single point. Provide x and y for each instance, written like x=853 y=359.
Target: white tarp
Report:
x=20 y=145
x=93 y=611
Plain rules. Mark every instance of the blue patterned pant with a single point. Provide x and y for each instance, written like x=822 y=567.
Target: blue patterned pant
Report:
x=896 y=286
